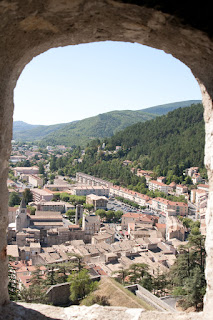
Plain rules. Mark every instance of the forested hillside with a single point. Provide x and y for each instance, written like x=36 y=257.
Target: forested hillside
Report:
x=175 y=138
x=165 y=108
x=100 y=126
x=83 y=131
x=167 y=144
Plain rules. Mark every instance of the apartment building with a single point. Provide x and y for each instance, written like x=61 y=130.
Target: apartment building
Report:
x=41 y=194
x=181 y=189
x=160 y=186
x=170 y=207
x=25 y=170
x=125 y=193
x=35 y=181
x=91 y=224
x=85 y=190
x=84 y=178
x=97 y=202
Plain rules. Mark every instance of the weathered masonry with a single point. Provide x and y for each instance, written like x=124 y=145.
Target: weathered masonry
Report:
x=28 y=28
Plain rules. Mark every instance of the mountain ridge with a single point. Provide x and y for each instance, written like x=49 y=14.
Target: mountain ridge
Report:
x=82 y=131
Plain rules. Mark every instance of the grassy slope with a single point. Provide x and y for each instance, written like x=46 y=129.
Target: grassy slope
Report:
x=119 y=296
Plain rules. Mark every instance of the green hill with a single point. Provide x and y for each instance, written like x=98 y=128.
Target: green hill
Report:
x=101 y=126
x=81 y=132
x=174 y=138
x=165 y=108
x=174 y=141
x=19 y=126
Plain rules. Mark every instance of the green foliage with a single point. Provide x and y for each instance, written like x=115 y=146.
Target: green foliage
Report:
x=177 y=137
x=32 y=210
x=95 y=299
x=71 y=214
x=12 y=282
x=14 y=199
x=110 y=215
x=27 y=195
x=165 y=108
x=187 y=274
x=36 y=292
x=80 y=285
x=88 y=206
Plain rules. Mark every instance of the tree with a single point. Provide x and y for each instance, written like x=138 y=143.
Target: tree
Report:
x=12 y=283
x=101 y=213
x=14 y=199
x=27 y=195
x=188 y=272
x=81 y=285
x=41 y=168
x=88 y=206
x=137 y=272
x=32 y=210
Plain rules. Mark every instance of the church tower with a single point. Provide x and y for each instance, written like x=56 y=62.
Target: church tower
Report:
x=21 y=216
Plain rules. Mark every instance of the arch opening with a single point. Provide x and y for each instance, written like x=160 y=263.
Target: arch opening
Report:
x=110 y=21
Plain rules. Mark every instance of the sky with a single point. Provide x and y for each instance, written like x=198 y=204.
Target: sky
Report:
x=80 y=81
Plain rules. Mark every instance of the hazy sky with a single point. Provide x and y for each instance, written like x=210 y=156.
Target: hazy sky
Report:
x=76 y=82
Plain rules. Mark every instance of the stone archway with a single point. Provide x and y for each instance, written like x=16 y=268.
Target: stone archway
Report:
x=29 y=28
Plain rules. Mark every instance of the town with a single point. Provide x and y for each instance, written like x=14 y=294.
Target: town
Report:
x=54 y=218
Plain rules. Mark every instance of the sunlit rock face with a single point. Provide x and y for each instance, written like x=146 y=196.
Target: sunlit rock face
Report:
x=28 y=28
x=44 y=312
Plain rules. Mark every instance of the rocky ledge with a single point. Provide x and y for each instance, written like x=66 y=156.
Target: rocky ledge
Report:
x=27 y=311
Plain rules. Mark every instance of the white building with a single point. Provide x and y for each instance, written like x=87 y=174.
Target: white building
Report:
x=160 y=186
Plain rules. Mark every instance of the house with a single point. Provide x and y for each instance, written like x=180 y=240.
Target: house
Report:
x=181 y=189
x=132 y=217
x=125 y=193
x=46 y=220
x=86 y=190
x=204 y=187
x=91 y=224
x=174 y=229
x=97 y=201
x=41 y=194
x=170 y=207
x=144 y=173
x=160 y=186
x=35 y=180
x=191 y=171
x=105 y=235
x=25 y=170
x=161 y=179
x=196 y=178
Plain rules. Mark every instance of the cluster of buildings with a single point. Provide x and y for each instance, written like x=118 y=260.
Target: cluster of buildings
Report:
x=47 y=237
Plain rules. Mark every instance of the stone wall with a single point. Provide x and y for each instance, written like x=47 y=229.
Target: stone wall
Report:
x=28 y=28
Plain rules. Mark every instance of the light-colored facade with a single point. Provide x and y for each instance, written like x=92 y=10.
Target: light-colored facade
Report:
x=181 y=189
x=42 y=194
x=25 y=170
x=35 y=181
x=160 y=186
x=91 y=224
x=84 y=178
x=139 y=198
x=97 y=202
x=86 y=190
x=170 y=207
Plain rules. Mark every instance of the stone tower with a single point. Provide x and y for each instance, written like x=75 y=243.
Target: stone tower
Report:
x=78 y=213
x=21 y=216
